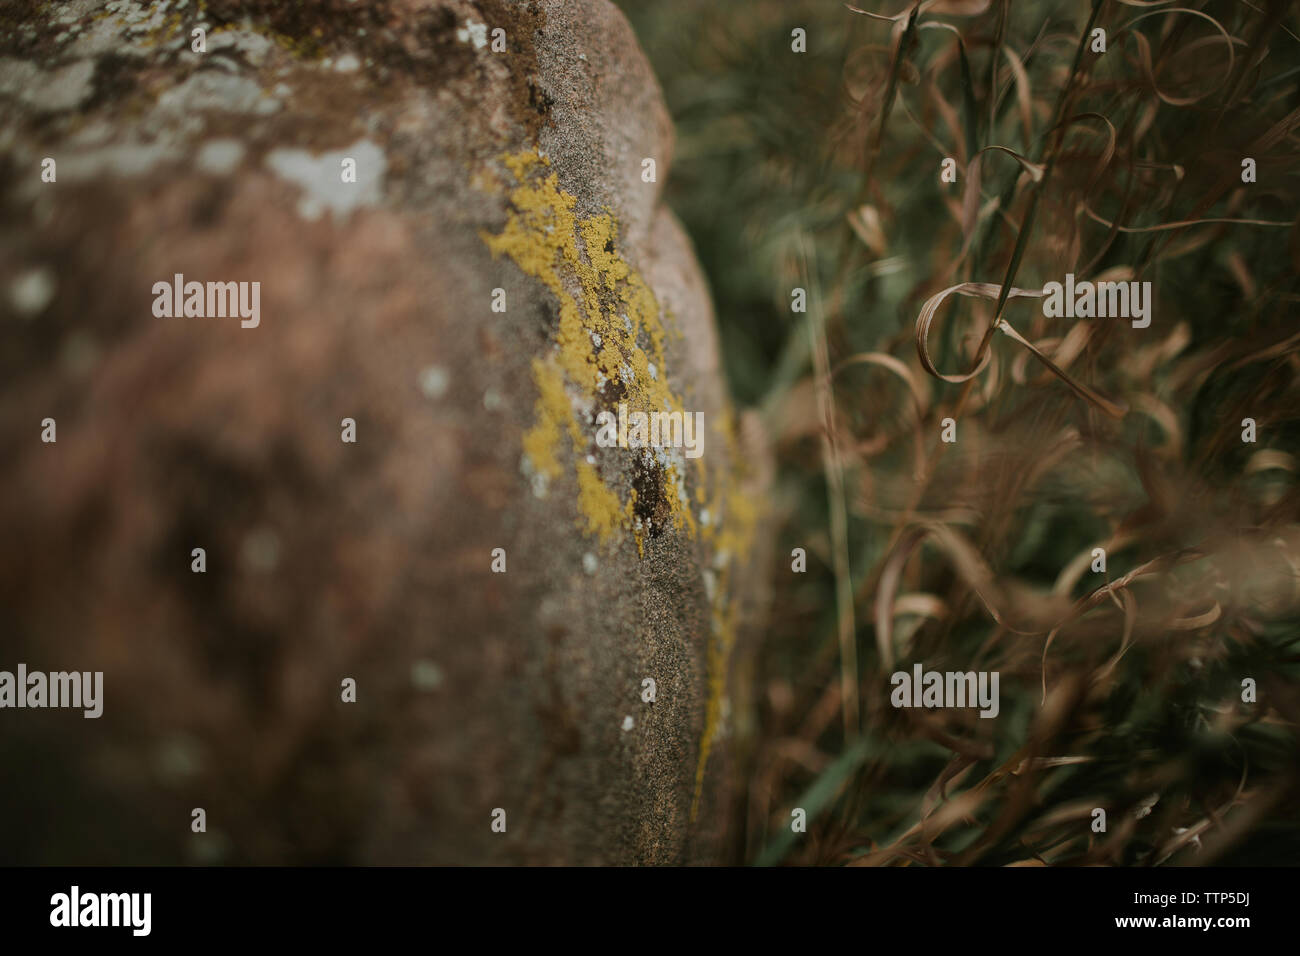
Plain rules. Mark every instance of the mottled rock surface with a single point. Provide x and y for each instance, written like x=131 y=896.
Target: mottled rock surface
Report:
x=476 y=170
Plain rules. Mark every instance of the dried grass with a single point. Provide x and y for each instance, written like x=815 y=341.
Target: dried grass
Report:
x=1120 y=690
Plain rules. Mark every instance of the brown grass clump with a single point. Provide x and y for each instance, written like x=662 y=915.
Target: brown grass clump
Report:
x=1121 y=689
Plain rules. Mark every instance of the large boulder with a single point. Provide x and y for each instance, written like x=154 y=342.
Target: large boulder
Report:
x=458 y=247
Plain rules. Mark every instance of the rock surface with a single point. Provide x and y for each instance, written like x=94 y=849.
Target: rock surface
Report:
x=477 y=170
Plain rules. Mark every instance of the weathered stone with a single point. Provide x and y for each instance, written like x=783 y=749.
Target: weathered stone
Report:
x=476 y=170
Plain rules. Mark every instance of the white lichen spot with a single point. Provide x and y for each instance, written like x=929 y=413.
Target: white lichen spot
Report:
x=95 y=132
x=32 y=291
x=209 y=90
x=220 y=157
x=472 y=32
x=654 y=372
x=251 y=46
x=627 y=723
x=347 y=63
x=705 y=517
x=433 y=381
x=589 y=563
x=539 y=483
x=123 y=159
x=140 y=17
x=318 y=178
x=105 y=35
x=46 y=91
x=492 y=400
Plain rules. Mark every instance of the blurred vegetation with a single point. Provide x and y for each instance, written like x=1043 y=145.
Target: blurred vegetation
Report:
x=1120 y=689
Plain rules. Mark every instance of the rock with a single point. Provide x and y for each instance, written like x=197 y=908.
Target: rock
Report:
x=475 y=170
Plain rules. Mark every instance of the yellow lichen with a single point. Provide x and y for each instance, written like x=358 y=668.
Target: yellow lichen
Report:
x=553 y=415
x=724 y=638
x=611 y=329
x=733 y=521
x=598 y=504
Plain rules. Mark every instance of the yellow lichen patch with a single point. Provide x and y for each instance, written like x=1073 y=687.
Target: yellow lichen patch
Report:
x=724 y=639
x=678 y=504
x=553 y=416
x=733 y=521
x=610 y=330
x=598 y=504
